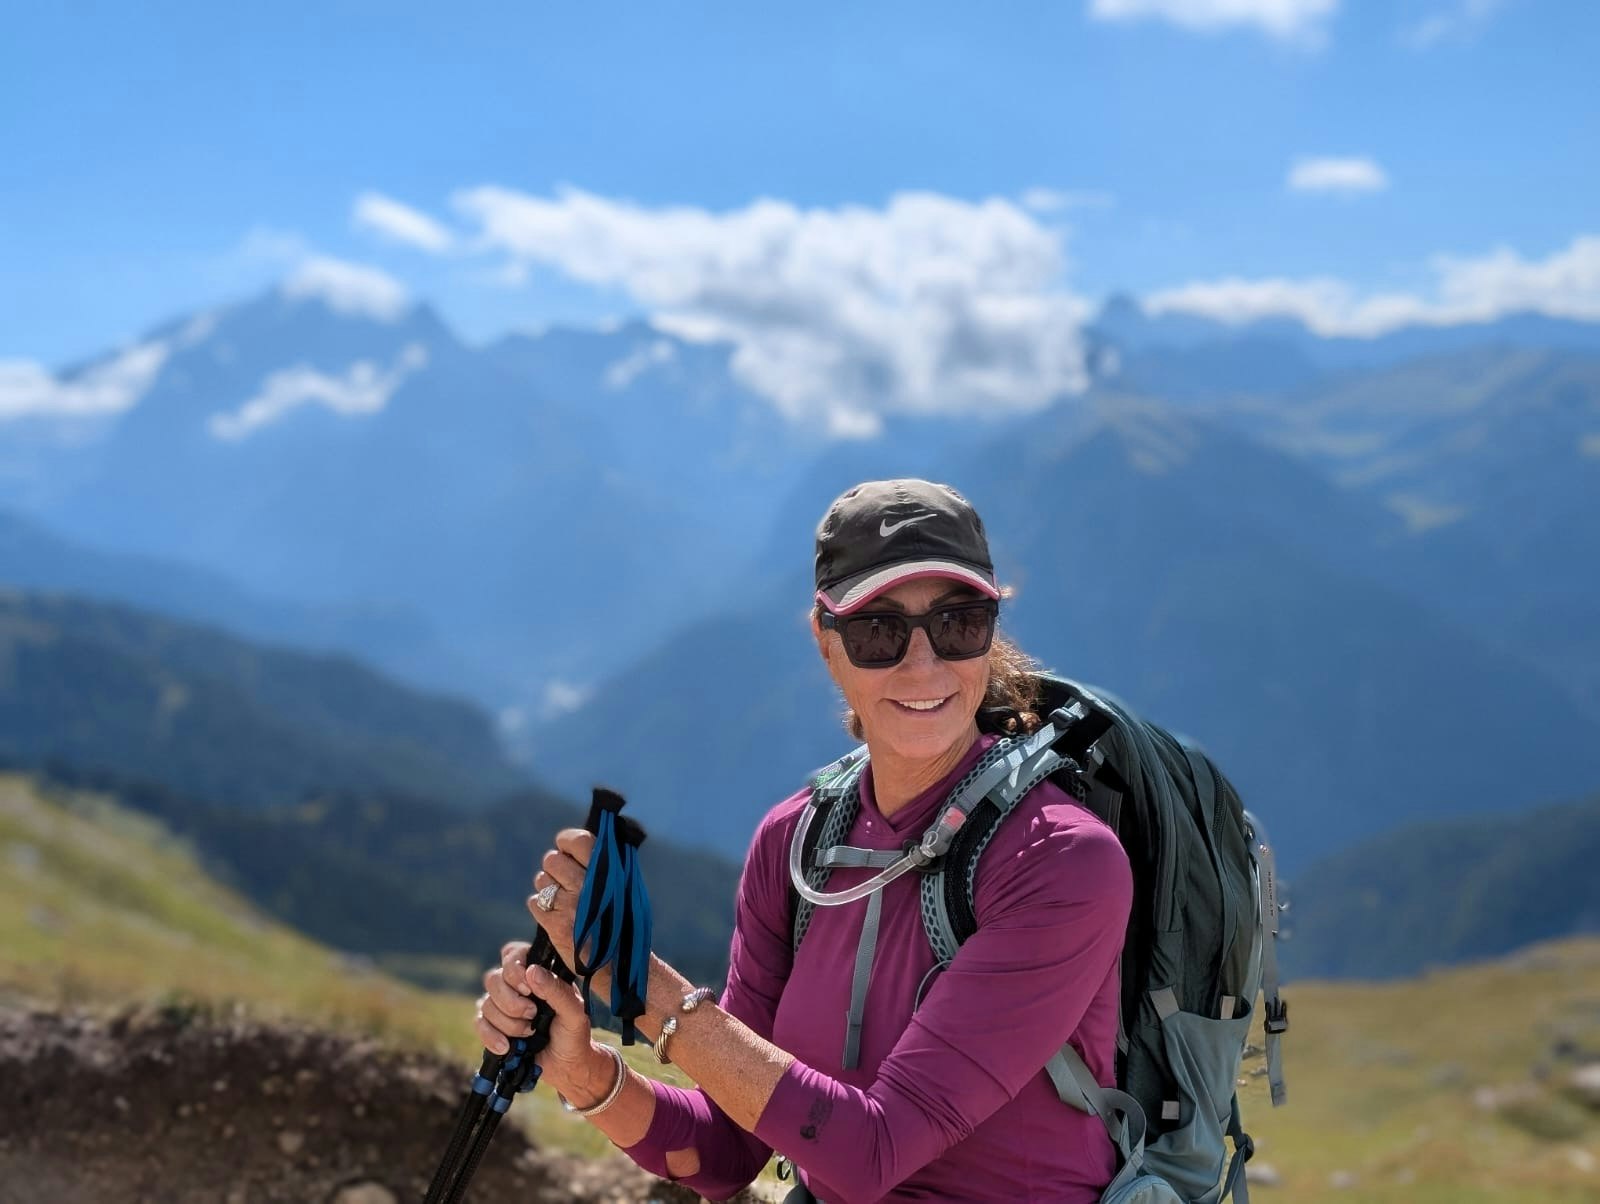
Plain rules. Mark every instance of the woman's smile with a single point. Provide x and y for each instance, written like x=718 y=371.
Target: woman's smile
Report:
x=926 y=704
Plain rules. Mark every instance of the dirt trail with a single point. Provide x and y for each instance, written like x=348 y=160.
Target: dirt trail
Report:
x=170 y=1109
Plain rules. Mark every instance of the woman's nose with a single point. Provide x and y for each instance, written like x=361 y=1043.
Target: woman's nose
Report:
x=920 y=650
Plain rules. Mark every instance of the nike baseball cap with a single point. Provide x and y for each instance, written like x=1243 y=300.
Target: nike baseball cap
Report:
x=881 y=533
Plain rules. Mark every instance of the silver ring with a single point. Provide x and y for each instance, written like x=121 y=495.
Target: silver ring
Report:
x=545 y=900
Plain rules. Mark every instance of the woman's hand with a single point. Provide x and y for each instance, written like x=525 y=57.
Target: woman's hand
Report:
x=564 y=867
x=512 y=989
x=572 y=1062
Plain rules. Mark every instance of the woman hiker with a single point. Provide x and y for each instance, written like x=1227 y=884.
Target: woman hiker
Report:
x=930 y=1084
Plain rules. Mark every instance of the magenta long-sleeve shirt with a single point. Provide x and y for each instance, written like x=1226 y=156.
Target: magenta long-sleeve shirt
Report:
x=949 y=1101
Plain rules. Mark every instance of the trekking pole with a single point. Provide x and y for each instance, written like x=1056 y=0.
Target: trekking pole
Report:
x=612 y=907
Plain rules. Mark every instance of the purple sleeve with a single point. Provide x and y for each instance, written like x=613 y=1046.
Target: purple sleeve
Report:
x=1046 y=940
x=758 y=966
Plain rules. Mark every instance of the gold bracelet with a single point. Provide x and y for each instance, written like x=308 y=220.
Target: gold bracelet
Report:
x=668 y=1027
x=691 y=1000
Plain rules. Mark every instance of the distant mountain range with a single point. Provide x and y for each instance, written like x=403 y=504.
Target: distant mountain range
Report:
x=305 y=782
x=1449 y=891
x=106 y=687
x=1339 y=563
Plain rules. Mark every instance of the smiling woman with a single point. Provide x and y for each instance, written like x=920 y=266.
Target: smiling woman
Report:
x=841 y=1040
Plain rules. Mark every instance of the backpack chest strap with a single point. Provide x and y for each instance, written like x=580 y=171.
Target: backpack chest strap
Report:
x=843 y=856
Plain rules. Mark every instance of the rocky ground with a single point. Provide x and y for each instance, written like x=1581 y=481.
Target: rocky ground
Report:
x=172 y=1108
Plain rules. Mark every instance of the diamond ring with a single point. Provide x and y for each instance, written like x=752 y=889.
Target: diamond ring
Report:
x=545 y=900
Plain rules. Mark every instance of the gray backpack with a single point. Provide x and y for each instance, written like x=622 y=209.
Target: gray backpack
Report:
x=1200 y=947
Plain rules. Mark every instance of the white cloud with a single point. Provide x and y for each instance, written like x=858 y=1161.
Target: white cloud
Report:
x=105 y=388
x=1300 y=21
x=561 y=698
x=928 y=305
x=1461 y=21
x=271 y=245
x=1565 y=284
x=349 y=288
x=1053 y=200
x=1327 y=174
x=363 y=389
x=628 y=369
x=401 y=223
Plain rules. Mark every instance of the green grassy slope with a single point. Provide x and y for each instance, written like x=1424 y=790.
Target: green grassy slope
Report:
x=1438 y=1089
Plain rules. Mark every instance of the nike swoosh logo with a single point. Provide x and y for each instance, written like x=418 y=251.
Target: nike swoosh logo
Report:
x=886 y=528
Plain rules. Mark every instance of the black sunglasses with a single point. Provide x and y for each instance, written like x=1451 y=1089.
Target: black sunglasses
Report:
x=879 y=639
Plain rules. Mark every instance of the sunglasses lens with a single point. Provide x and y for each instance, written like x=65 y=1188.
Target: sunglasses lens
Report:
x=875 y=639
x=961 y=632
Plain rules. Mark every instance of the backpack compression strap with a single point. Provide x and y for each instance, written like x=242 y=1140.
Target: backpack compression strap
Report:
x=1275 y=1013
x=1121 y=1114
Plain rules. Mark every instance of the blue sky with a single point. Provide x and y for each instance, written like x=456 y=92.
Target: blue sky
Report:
x=160 y=158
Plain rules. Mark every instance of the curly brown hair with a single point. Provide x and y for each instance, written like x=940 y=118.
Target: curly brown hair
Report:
x=1012 y=695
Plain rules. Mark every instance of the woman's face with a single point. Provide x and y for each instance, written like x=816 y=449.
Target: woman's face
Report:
x=883 y=698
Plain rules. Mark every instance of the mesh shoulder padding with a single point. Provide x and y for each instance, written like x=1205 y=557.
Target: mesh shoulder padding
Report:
x=948 y=891
x=839 y=805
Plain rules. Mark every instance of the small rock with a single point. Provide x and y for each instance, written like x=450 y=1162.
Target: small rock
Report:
x=1342 y=1180
x=290 y=1142
x=184 y=1111
x=120 y=1103
x=220 y=1086
x=1583 y=1085
x=363 y=1193
x=1262 y=1174
x=1582 y=1160
x=24 y=856
x=1450 y=1074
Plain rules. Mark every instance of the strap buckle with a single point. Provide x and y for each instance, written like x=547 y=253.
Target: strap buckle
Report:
x=1277 y=1017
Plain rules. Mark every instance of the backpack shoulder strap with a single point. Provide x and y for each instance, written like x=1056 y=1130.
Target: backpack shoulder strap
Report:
x=833 y=804
x=947 y=890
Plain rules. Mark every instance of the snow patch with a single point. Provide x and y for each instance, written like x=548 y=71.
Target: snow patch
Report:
x=108 y=387
x=363 y=389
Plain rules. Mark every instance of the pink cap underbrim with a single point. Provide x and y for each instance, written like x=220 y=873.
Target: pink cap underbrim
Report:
x=867 y=588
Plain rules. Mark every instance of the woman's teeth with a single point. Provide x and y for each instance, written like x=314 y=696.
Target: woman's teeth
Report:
x=928 y=705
